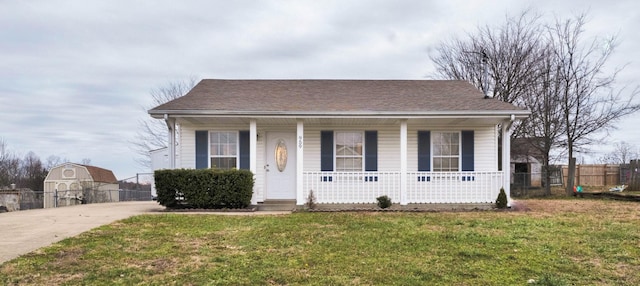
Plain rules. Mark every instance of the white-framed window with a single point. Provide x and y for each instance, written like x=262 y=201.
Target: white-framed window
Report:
x=223 y=149
x=446 y=151
x=349 y=151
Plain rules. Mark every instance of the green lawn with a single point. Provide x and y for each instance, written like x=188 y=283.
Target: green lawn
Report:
x=585 y=243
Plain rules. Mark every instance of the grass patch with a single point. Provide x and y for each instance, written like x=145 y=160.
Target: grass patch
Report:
x=593 y=242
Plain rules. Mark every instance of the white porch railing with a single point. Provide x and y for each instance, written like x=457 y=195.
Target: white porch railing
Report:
x=421 y=187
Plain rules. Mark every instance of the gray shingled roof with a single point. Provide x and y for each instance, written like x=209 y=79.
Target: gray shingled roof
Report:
x=303 y=97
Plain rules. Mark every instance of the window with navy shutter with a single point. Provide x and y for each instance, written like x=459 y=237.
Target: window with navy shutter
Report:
x=346 y=151
x=222 y=149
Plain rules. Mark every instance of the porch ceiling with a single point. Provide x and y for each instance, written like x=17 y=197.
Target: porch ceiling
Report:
x=482 y=121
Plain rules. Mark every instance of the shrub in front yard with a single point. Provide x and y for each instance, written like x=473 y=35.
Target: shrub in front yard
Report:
x=204 y=188
x=384 y=202
x=501 y=202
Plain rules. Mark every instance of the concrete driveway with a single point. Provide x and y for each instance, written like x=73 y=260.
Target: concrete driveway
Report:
x=26 y=231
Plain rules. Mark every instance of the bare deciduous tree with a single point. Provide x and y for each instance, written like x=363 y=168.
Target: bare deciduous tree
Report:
x=589 y=101
x=547 y=70
x=152 y=134
x=53 y=161
x=9 y=165
x=510 y=53
x=32 y=172
x=543 y=129
x=27 y=172
x=622 y=153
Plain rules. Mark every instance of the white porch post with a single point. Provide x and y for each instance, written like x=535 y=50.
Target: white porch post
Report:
x=506 y=159
x=300 y=163
x=253 y=137
x=403 y=162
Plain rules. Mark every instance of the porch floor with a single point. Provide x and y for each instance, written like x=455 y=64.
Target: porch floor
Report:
x=407 y=208
x=277 y=205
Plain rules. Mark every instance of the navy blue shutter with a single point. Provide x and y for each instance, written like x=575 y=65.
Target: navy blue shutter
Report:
x=326 y=151
x=202 y=149
x=424 y=151
x=467 y=150
x=245 y=152
x=371 y=151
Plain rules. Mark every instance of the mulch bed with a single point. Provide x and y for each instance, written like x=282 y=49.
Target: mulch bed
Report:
x=612 y=195
x=186 y=210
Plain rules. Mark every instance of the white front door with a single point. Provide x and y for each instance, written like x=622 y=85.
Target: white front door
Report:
x=281 y=166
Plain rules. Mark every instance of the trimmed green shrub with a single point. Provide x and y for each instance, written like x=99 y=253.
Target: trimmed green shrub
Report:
x=384 y=202
x=204 y=188
x=501 y=202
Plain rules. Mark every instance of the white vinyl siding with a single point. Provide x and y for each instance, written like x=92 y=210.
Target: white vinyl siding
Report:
x=485 y=146
x=388 y=145
x=187 y=146
x=485 y=149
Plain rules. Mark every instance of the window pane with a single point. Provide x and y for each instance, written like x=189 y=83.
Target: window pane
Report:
x=349 y=164
x=341 y=149
x=349 y=147
x=437 y=164
x=224 y=149
x=223 y=163
x=446 y=151
x=454 y=164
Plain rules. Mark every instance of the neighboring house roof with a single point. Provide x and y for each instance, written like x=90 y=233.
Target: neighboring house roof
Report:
x=527 y=147
x=335 y=97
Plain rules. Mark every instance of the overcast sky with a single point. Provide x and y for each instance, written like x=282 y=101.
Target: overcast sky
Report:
x=75 y=76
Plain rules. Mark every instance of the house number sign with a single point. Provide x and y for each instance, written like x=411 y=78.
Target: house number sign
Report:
x=281 y=155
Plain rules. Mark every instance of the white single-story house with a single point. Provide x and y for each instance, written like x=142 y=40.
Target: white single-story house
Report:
x=348 y=141
x=70 y=184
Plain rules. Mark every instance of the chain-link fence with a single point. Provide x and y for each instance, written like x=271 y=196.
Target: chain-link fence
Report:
x=137 y=188
x=531 y=184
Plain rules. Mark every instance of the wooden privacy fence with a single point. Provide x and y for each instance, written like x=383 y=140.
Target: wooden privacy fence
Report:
x=594 y=175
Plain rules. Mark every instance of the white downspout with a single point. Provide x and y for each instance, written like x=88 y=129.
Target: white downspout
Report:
x=171 y=126
x=506 y=157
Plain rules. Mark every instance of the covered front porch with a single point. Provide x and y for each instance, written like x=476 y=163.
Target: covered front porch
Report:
x=396 y=178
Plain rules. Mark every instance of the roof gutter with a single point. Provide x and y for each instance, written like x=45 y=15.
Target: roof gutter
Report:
x=166 y=121
x=515 y=114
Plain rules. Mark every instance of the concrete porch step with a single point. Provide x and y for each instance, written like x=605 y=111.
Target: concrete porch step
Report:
x=277 y=205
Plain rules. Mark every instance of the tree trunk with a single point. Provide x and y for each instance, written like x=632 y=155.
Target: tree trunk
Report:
x=571 y=176
x=547 y=180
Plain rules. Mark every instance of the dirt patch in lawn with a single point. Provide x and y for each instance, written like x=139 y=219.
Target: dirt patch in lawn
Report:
x=577 y=206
